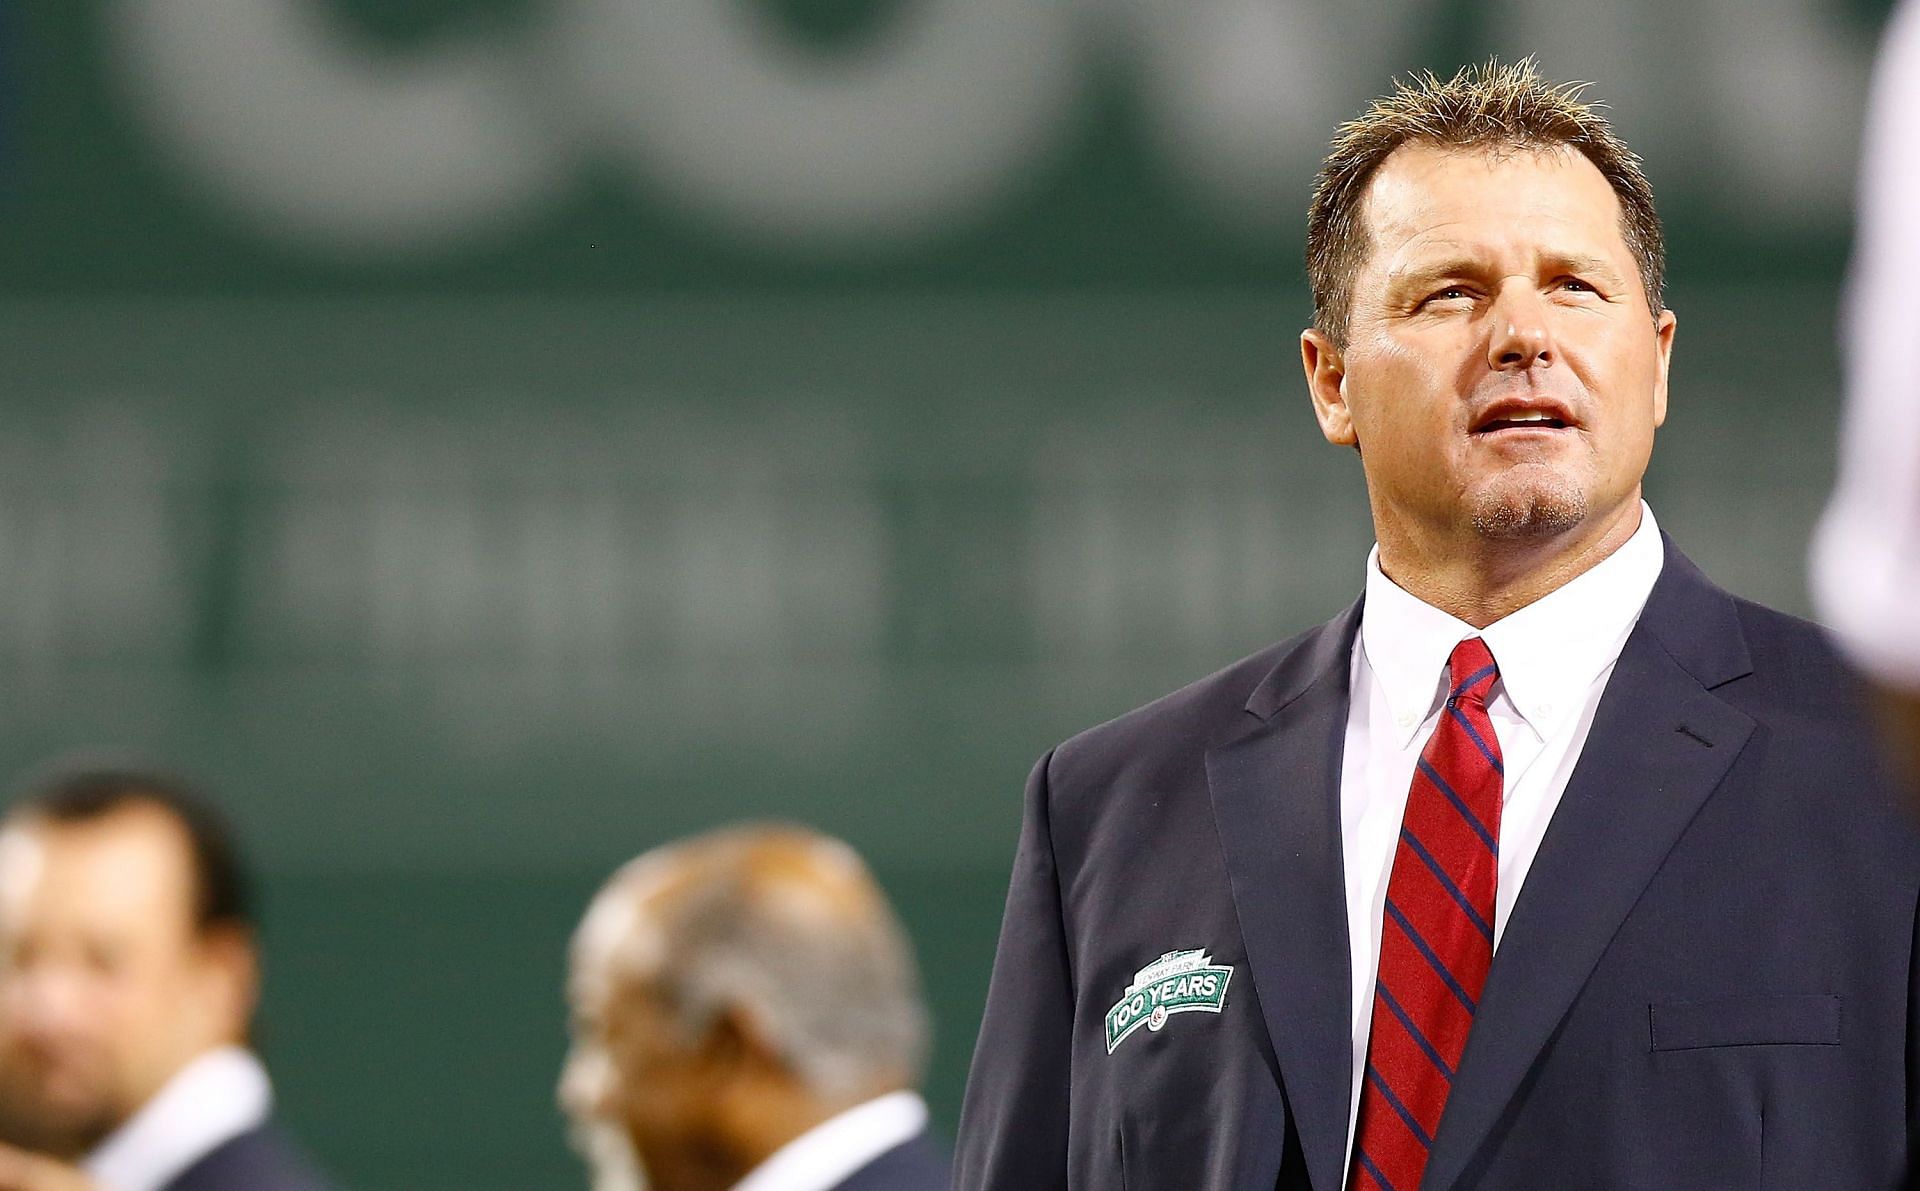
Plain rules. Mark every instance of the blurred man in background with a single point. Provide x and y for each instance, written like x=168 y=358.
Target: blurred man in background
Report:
x=1866 y=561
x=747 y=1015
x=128 y=979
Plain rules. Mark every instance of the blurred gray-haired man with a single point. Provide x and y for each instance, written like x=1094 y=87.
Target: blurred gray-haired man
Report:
x=747 y=1015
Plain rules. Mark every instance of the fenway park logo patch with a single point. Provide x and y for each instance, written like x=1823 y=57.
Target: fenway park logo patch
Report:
x=1177 y=982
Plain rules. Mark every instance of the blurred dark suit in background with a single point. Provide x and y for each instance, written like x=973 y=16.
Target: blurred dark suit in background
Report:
x=747 y=1015
x=128 y=981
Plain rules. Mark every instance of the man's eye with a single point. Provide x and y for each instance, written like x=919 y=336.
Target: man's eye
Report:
x=1448 y=294
x=1577 y=285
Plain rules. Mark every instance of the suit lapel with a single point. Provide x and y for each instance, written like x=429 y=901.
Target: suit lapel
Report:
x=1659 y=745
x=1276 y=798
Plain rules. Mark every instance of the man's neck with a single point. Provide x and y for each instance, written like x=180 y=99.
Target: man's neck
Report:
x=825 y=1155
x=1480 y=580
x=791 y=1112
x=755 y=1124
x=214 y=1098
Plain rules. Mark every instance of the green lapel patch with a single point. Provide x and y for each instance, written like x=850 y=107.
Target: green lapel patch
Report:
x=1177 y=982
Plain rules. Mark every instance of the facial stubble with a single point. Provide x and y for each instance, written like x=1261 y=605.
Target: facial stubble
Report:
x=1528 y=500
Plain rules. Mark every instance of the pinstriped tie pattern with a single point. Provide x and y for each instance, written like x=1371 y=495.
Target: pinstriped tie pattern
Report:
x=1436 y=940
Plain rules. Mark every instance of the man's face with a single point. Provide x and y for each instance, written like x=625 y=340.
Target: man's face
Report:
x=105 y=988
x=1503 y=374
x=641 y=1099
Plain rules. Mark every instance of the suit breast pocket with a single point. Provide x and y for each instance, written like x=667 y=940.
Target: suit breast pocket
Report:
x=1750 y=1020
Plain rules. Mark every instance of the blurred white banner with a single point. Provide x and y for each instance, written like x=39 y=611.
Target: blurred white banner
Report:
x=328 y=141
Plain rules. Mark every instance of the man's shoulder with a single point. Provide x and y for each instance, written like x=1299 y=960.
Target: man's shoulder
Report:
x=1782 y=639
x=1782 y=672
x=917 y=1164
x=1179 y=727
x=1797 y=671
x=261 y=1159
x=1770 y=664
x=1813 y=745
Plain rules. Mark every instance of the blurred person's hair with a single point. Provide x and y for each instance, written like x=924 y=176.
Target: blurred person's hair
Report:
x=73 y=793
x=836 y=995
x=1491 y=106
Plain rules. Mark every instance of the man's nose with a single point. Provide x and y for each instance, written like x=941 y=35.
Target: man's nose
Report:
x=1520 y=337
x=586 y=1083
x=45 y=1002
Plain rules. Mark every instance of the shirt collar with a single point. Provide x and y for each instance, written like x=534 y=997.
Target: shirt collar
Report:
x=1549 y=652
x=823 y=1156
x=206 y=1104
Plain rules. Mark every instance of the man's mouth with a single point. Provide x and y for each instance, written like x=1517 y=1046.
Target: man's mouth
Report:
x=1530 y=421
x=1516 y=415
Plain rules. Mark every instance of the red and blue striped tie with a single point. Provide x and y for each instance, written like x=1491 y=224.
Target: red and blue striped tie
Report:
x=1436 y=940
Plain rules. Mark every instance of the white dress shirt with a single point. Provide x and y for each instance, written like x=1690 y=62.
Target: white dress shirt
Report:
x=1555 y=656
x=1866 y=556
x=823 y=1156
x=209 y=1102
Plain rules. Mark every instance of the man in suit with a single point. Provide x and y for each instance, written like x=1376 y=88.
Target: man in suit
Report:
x=1546 y=863
x=128 y=980
x=747 y=1015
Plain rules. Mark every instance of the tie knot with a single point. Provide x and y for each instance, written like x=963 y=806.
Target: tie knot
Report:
x=1471 y=671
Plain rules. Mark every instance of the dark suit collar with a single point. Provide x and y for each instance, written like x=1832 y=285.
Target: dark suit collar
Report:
x=1661 y=742
x=1696 y=622
x=1317 y=655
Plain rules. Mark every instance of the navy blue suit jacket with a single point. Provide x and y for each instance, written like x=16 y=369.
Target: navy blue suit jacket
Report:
x=918 y=1164
x=263 y=1159
x=1706 y=982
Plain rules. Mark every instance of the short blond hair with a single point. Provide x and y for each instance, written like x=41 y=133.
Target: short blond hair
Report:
x=1491 y=106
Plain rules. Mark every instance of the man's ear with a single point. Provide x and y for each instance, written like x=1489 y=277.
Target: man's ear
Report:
x=232 y=964
x=736 y=1043
x=1663 y=329
x=1326 y=370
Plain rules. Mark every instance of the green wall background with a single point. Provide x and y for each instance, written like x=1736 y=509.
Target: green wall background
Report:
x=466 y=568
